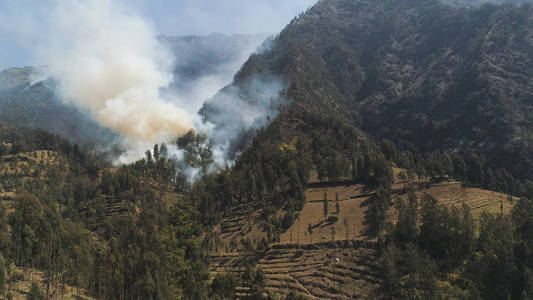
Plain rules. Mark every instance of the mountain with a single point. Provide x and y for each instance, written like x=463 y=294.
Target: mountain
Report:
x=423 y=74
x=473 y=3
x=35 y=105
x=14 y=77
x=215 y=56
x=434 y=92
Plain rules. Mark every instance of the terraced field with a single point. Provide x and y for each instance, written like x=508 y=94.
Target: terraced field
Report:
x=479 y=200
x=330 y=259
x=246 y=222
x=312 y=225
x=340 y=270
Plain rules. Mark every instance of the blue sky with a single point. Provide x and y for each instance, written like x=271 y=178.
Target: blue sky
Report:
x=22 y=21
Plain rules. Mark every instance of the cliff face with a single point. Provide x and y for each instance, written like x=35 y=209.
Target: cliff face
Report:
x=423 y=74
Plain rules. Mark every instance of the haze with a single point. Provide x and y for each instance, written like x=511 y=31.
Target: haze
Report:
x=22 y=25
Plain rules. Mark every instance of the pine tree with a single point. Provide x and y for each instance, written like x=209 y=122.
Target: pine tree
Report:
x=389 y=272
x=337 y=205
x=326 y=208
x=310 y=230
x=354 y=169
x=2 y=276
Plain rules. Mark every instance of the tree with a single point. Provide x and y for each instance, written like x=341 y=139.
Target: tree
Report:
x=403 y=176
x=390 y=273
x=389 y=150
x=337 y=205
x=422 y=282
x=224 y=286
x=407 y=226
x=35 y=293
x=379 y=207
x=254 y=279
x=475 y=174
x=354 y=169
x=295 y=296
x=326 y=205
x=383 y=175
x=2 y=276
x=494 y=236
x=163 y=150
x=310 y=230
x=522 y=216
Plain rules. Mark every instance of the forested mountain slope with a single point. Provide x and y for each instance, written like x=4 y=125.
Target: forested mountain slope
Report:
x=35 y=105
x=108 y=232
x=451 y=86
x=421 y=73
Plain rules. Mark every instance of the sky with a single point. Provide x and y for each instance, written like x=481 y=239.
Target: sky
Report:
x=23 y=23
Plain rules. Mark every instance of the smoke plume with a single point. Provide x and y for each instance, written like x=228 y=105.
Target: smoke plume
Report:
x=111 y=63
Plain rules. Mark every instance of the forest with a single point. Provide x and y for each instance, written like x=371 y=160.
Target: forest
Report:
x=138 y=231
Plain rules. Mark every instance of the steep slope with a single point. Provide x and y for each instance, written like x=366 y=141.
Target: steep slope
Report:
x=36 y=105
x=421 y=73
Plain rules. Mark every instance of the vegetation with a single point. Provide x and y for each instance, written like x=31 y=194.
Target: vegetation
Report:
x=439 y=252
x=144 y=231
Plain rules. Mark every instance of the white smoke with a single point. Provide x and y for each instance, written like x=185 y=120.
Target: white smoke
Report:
x=111 y=63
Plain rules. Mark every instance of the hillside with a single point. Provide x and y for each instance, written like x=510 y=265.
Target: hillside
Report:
x=304 y=259
x=443 y=92
x=216 y=57
x=68 y=221
x=420 y=73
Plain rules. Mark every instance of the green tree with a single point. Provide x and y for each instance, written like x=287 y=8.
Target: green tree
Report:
x=35 y=293
x=326 y=205
x=310 y=230
x=407 y=225
x=295 y=296
x=2 y=276
x=403 y=176
x=522 y=215
x=390 y=272
x=223 y=286
x=422 y=281
x=337 y=205
x=379 y=207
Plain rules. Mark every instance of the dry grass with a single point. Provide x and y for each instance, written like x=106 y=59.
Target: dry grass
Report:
x=479 y=200
x=350 y=217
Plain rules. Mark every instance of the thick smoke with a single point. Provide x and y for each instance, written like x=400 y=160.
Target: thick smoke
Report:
x=111 y=63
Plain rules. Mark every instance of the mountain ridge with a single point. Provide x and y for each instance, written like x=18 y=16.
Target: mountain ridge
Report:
x=420 y=73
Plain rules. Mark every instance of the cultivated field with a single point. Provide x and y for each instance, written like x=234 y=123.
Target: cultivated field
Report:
x=330 y=259
x=312 y=226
